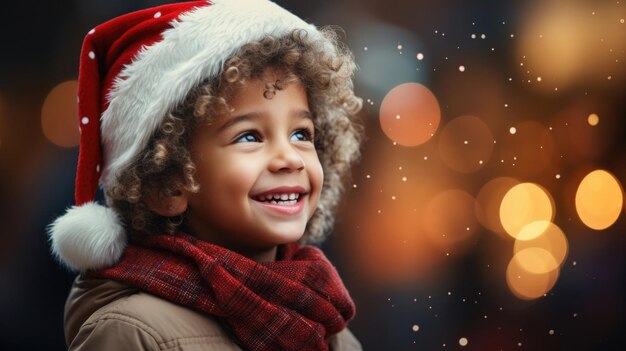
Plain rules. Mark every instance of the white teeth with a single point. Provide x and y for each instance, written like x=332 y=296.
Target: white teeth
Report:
x=277 y=198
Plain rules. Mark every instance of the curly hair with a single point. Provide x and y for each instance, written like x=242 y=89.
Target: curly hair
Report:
x=324 y=67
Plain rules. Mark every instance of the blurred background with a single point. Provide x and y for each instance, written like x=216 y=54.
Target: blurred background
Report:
x=486 y=212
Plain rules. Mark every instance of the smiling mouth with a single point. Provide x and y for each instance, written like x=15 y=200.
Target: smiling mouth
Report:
x=284 y=199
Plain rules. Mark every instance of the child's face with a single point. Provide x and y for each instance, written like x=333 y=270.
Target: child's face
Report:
x=244 y=161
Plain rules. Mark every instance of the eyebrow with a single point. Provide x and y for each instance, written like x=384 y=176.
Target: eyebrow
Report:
x=255 y=116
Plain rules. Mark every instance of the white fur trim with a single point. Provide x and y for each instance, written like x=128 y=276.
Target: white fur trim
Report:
x=161 y=75
x=89 y=236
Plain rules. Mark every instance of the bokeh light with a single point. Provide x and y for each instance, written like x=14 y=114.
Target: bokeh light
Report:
x=527 y=285
x=410 y=114
x=523 y=204
x=526 y=149
x=599 y=199
x=593 y=119
x=449 y=220
x=59 y=115
x=536 y=260
x=489 y=200
x=551 y=239
x=547 y=49
x=466 y=144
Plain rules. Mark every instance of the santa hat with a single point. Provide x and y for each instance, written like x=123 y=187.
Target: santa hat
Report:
x=133 y=70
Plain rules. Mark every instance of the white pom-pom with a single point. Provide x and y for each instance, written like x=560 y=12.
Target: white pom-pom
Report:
x=90 y=236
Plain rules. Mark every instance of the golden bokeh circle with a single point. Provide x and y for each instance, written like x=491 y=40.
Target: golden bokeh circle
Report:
x=527 y=285
x=523 y=204
x=551 y=238
x=599 y=199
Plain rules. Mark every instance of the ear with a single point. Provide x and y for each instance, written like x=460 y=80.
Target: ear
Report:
x=166 y=205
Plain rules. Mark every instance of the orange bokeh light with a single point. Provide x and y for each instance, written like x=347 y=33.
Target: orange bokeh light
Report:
x=410 y=114
x=527 y=285
x=536 y=260
x=466 y=144
x=551 y=239
x=59 y=120
x=599 y=199
x=523 y=204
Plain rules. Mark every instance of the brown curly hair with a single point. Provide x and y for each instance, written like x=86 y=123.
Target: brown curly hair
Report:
x=325 y=68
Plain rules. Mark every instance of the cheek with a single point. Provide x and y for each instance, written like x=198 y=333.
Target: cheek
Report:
x=316 y=174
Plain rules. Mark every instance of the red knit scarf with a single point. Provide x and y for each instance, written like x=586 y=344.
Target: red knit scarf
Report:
x=294 y=303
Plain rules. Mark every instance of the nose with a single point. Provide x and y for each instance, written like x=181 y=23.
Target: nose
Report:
x=285 y=158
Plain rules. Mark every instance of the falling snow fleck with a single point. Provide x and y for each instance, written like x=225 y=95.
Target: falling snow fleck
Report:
x=365 y=48
x=482 y=36
x=397 y=116
x=415 y=327
x=404 y=179
x=539 y=79
x=399 y=46
x=420 y=56
x=462 y=68
x=551 y=332
x=621 y=20
x=473 y=36
x=512 y=130
x=463 y=341
x=354 y=186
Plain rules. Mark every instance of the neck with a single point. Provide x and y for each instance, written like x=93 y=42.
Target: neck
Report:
x=258 y=254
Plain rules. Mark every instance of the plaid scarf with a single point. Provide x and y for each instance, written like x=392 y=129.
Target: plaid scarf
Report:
x=294 y=303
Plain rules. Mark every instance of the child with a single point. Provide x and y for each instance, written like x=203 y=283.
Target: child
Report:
x=220 y=133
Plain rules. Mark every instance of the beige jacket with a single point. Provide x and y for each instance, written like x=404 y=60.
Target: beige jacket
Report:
x=102 y=314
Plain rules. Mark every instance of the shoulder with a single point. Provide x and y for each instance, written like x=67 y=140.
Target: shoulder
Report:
x=142 y=321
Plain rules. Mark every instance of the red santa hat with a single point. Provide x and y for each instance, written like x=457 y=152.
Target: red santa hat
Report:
x=133 y=70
